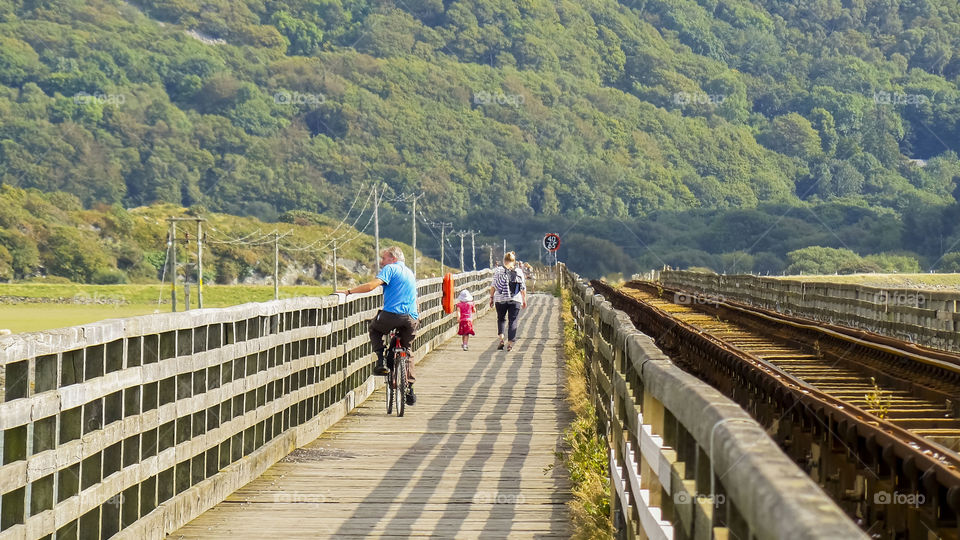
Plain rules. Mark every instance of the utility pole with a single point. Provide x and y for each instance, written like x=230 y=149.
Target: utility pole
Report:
x=413 y=223
x=473 y=248
x=199 y=264
x=276 y=265
x=173 y=259
x=442 y=229
x=173 y=264
x=377 y=196
x=491 y=255
x=463 y=266
x=504 y=247
x=334 y=266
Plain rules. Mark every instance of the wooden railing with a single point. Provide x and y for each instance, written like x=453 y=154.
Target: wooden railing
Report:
x=685 y=461
x=138 y=425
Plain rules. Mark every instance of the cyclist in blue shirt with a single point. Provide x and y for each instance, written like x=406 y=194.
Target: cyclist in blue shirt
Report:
x=399 y=310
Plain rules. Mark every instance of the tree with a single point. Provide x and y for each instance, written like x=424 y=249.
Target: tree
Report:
x=825 y=260
x=793 y=135
x=73 y=257
x=822 y=121
x=304 y=36
x=949 y=262
x=18 y=61
x=6 y=264
x=23 y=252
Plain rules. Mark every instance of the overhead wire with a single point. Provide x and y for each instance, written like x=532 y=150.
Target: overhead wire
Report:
x=311 y=247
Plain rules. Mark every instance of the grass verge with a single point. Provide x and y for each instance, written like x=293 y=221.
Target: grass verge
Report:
x=905 y=281
x=30 y=307
x=585 y=453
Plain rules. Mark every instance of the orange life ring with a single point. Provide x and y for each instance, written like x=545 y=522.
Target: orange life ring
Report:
x=449 y=293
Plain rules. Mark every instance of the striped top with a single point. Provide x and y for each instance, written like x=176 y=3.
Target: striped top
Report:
x=501 y=287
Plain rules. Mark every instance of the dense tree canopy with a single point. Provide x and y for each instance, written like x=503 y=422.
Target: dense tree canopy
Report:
x=727 y=115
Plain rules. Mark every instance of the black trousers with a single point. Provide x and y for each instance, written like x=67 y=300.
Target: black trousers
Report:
x=406 y=327
x=505 y=309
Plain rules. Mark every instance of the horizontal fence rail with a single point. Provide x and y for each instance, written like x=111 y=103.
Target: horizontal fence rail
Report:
x=138 y=425
x=685 y=461
x=925 y=317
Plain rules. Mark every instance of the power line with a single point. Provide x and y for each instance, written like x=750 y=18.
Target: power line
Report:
x=310 y=247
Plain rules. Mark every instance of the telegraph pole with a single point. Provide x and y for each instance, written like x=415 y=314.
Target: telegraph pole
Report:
x=199 y=264
x=173 y=264
x=491 y=255
x=442 y=228
x=377 y=196
x=173 y=260
x=504 y=247
x=276 y=265
x=473 y=248
x=334 y=266
x=413 y=223
x=463 y=266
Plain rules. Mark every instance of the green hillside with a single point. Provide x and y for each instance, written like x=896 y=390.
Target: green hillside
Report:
x=53 y=236
x=610 y=119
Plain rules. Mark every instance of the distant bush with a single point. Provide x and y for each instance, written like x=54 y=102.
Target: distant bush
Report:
x=228 y=271
x=24 y=255
x=107 y=276
x=893 y=264
x=948 y=263
x=71 y=255
x=6 y=270
x=53 y=280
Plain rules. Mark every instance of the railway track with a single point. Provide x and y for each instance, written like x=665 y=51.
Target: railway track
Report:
x=875 y=421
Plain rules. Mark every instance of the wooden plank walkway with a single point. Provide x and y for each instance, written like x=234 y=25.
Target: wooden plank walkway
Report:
x=466 y=461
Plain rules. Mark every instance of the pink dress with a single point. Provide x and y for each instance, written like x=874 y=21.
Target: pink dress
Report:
x=466 y=318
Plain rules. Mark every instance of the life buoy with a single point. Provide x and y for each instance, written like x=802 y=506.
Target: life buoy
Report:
x=449 y=293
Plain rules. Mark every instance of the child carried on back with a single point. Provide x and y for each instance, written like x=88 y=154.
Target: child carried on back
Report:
x=466 y=308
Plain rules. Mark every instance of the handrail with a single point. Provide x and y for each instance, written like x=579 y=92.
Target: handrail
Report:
x=138 y=425
x=686 y=461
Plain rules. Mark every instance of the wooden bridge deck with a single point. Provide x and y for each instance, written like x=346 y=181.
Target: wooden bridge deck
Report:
x=466 y=461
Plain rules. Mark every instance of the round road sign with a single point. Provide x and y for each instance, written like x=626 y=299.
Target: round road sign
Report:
x=551 y=242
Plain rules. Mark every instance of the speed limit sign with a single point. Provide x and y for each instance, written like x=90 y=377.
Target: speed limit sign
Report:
x=551 y=242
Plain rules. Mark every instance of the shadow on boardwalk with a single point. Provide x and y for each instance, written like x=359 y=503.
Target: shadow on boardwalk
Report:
x=466 y=461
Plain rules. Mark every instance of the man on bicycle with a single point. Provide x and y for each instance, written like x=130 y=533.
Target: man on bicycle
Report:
x=399 y=310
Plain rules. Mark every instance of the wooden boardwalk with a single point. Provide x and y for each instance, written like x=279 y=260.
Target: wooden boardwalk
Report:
x=466 y=461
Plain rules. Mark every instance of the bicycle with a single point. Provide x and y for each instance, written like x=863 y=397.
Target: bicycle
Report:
x=395 y=356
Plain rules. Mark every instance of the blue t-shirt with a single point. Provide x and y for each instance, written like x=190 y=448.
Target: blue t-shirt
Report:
x=399 y=289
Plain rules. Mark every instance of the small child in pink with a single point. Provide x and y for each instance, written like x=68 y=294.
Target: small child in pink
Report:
x=466 y=308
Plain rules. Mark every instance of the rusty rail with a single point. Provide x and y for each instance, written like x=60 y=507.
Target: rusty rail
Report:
x=861 y=459
x=685 y=461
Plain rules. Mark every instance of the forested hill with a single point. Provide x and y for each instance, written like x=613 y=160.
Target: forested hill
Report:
x=587 y=107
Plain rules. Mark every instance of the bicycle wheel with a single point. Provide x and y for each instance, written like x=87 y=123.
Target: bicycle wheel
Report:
x=390 y=390
x=389 y=394
x=400 y=368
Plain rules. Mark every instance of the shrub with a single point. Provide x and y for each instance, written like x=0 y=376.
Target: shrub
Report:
x=55 y=280
x=24 y=255
x=108 y=276
x=71 y=255
x=6 y=268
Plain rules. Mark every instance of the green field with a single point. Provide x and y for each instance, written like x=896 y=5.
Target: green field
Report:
x=83 y=304
x=912 y=281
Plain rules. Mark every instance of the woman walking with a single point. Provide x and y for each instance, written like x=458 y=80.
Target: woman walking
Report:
x=509 y=292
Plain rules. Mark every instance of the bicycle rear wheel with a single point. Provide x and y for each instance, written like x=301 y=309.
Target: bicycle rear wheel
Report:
x=400 y=368
x=390 y=392
x=390 y=388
